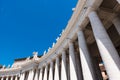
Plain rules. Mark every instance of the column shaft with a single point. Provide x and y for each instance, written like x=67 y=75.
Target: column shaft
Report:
x=20 y=77
x=63 y=69
x=118 y=1
x=31 y=74
x=116 y=22
x=16 y=78
x=57 y=76
x=23 y=77
x=11 y=78
x=6 y=78
x=107 y=50
x=86 y=63
x=51 y=71
x=73 y=73
x=46 y=73
x=36 y=75
x=41 y=74
x=2 y=78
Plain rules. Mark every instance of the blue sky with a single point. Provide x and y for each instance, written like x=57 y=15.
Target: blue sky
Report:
x=31 y=25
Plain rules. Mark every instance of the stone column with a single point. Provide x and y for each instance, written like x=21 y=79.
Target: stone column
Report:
x=23 y=77
x=2 y=78
x=86 y=63
x=41 y=74
x=11 y=78
x=107 y=50
x=16 y=78
x=20 y=77
x=51 y=71
x=78 y=68
x=36 y=75
x=63 y=68
x=73 y=73
x=116 y=22
x=46 y=73
x=57 y=76
x=7 y=78
x=31 y=74
x=118 y=1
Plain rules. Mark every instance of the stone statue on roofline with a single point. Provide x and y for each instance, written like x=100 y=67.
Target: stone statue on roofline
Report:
x=53 y=44
x=28 y=58
x=8 y=66
x=35 y=55
x=44 y=52
x=3 y=67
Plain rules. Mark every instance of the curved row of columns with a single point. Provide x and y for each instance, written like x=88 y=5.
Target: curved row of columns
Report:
x=106 y=48
x=64 y=66
x=10 y=78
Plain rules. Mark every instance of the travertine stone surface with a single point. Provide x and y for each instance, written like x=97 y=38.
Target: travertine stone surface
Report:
x=70 y=57
x=107 y=50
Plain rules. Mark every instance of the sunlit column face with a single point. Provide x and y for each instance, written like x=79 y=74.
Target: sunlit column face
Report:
x=56 y=75
x=73 y=73
x=63 y=68
x=41 y=74
x=106 y=48
x=36 y=75
x=51 y=71
x=31 y=74
x=86 y=63
x=45 y=73
x=16 y=77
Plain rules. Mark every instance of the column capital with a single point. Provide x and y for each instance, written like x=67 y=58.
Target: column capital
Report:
x=118 y=1
x=63 y=51
x=79 y=28
x=51 y=62
x=92 y=12
x=106 y=47
x=57 y=59
x=89 y=10
x=45 y=64
x=79 y=31
x=69 y=40
x=41 y=69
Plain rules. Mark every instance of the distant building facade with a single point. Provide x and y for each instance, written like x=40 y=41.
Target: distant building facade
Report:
x=88 y=49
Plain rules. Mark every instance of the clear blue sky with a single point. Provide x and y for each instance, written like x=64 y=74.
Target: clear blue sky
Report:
x=31 y=25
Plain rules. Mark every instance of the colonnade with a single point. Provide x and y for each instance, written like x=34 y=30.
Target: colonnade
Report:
x=106 y=48
x=65 y=65
x=16 y=77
